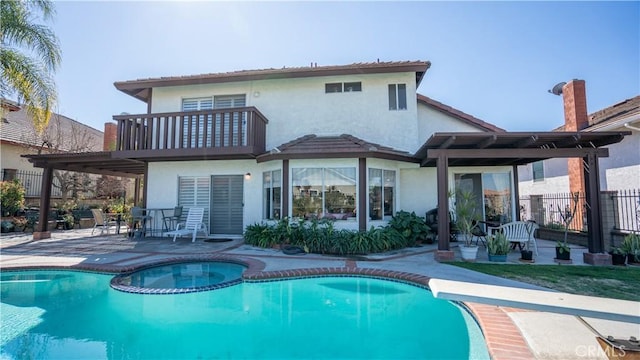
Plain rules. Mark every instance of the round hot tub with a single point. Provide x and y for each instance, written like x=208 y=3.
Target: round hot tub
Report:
x=182 y=277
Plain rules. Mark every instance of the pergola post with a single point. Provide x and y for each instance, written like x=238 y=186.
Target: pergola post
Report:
x=444 y=253
x=595 y=235
x=285 y=189
x=362 y=195
x=42 y=230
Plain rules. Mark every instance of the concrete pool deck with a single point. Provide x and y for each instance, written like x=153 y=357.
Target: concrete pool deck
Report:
x=511 y=332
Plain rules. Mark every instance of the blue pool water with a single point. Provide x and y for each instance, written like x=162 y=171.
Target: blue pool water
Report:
x=77 y=315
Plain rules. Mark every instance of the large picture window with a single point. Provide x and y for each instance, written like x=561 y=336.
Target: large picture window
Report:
x=272 y=195
x=324 y=193
x=382 y=186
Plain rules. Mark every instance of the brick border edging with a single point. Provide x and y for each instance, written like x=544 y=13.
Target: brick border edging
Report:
x=503 y=338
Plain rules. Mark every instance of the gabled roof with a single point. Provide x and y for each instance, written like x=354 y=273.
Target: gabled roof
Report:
x=448 y=110
x=17 y=128
x=342 y=146
x=140 y=88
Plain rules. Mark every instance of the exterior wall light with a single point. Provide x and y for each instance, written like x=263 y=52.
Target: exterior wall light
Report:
x=247 y=176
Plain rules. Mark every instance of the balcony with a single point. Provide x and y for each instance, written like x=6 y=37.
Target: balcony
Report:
x=234 y=133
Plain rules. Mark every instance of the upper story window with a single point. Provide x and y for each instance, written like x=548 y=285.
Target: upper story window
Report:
x=343 y=87
x=397 y=97
x=222 y=129
x=229 y=101
x=538 y=170
x=195 y=104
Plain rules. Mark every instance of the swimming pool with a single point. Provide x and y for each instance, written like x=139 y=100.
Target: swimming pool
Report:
x=66 y=314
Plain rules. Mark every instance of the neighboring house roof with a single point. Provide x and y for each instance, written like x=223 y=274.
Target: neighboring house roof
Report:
x=610 y=116
x=342 y=146
x=9 y=105
x=61 y=132
x=140 y=88
x=448 y=110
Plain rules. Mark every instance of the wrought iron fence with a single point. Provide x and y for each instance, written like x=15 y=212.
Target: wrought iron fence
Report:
x=627 y=209
x=621 y=209
x=32 y=183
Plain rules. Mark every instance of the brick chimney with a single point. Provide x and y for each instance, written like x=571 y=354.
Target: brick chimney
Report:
x=576 y=118
x=574 y=96
x=110 y=136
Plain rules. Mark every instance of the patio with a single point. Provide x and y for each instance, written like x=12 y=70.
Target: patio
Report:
x=510 y=332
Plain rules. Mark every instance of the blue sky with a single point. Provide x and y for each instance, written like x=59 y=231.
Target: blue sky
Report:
x=493 y=60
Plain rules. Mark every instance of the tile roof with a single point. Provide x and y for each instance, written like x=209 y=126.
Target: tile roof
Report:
x=342 y=146
x=140 y=88
x=622 y=109
x=16 y=127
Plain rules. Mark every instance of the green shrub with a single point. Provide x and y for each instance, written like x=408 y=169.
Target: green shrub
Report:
x=631 y=245
x=320 y=236
x=410 y=226
x=498 y=244
x=11 y=197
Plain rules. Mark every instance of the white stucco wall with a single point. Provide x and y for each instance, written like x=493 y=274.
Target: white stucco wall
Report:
x=298 y=107
x=431 y=120
x=162 y=186
x=619 y=171
x=10 y=157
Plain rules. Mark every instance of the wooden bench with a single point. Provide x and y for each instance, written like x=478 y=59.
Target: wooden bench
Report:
x=519 y=233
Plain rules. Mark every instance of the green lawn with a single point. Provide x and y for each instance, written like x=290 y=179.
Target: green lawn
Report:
x=604 y=281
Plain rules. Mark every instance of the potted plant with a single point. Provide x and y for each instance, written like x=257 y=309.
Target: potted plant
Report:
x=631 y=246
x=618 y=255
x=498 y=247
x=563 y=252
x=466 y=212
x=68 y=221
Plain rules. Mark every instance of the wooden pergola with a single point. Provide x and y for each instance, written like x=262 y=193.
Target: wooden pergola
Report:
x=443 y=150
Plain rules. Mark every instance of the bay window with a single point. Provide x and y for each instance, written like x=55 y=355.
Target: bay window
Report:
x=324 y=193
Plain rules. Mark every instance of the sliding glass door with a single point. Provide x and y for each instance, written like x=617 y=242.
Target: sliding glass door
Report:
x=493 y=192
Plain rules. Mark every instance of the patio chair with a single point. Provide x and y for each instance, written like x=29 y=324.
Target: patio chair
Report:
x=478 y=233
x=102 y=221
x=139 y=219
x=171 y=221
x=191 y=226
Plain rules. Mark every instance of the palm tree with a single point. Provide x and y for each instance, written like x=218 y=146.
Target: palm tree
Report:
x=29 y=54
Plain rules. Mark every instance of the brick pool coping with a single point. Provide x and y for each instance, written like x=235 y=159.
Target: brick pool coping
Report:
x=503 y=338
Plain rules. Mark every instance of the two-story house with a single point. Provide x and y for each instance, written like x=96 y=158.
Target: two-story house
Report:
x=324 y=129
x=354 y=143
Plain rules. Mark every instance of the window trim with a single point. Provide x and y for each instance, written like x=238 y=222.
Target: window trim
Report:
x=398 y=97
x=341 y=87
x=271 y=191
